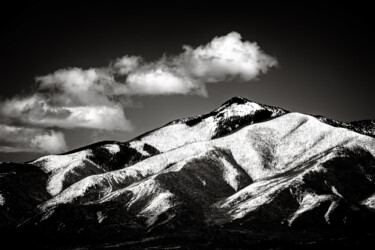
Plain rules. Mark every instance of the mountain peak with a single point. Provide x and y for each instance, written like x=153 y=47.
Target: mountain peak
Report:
x=237 y=100
x=237 y=109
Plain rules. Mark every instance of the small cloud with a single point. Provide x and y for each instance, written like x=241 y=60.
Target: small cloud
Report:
x=50 y=142
x=126 y=64
x=160 y=81
x=21 y=139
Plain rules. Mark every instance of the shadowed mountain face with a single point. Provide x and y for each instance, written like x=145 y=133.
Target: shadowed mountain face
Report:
x=244 y=166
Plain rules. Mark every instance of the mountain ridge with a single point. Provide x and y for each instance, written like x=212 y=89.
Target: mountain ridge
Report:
x=242 y=100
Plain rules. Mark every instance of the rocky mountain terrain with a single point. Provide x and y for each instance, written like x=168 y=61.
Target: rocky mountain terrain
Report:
x=245 y=174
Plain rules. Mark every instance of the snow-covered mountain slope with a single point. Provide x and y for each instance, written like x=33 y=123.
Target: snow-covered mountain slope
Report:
x=102 y=157
x=243 y=164
x=278 y=171
x=71 y=167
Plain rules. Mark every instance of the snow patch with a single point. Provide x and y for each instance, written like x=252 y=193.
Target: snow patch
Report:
x=202 y=180
x=309 y=202
x=231 y=174
x=112 y=148
x=100 y=216
x=47 y=215
x=330 y=210
x=158 y=205
x=2 y=200
x=248 y=108
x=334 y=190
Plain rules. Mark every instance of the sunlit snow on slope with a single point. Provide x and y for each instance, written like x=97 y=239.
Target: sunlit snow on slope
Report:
x=61 y=166
x=104 y=182
x=178 y=135
x=369 y=202
x=160 y=200
x=52 y=162
x=58 y=176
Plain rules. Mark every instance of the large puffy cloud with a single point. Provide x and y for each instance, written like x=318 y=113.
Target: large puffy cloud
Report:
x=20 y=139
x=95 y=98
x=224 y=58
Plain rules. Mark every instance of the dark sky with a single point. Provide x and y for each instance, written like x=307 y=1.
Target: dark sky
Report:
x=326 y=55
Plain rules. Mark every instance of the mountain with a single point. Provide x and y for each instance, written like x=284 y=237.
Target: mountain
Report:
x=245 y=174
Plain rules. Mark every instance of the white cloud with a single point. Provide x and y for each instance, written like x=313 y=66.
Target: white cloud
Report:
x=36 y=111
x=75 y=86
x=21 y=139
x=100 y=117
x=52 y=142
